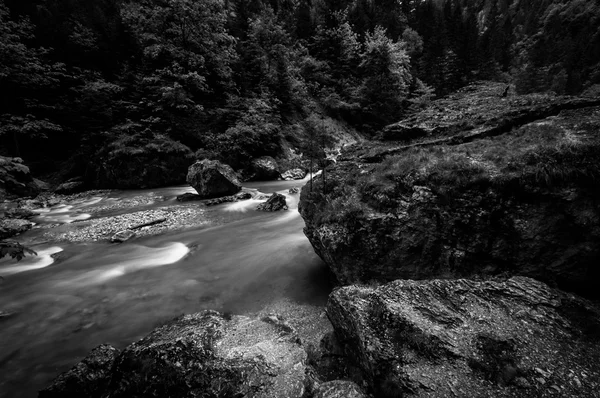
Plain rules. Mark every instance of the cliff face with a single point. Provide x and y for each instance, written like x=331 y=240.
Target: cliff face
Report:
x=487 y=186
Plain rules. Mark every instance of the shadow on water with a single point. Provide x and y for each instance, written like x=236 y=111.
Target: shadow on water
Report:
x=77 y=296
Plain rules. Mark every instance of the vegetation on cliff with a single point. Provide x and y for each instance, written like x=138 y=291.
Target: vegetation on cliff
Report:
x=484 y=200
x=238 y=80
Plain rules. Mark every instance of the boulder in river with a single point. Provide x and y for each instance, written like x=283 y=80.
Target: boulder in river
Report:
x=13 y=226
x=462 y=338
x=275 y=203
x=206 y=354
x=294 y=174
x=264 y=168
x=524 y=202
x=212 y=179
x=15 y=178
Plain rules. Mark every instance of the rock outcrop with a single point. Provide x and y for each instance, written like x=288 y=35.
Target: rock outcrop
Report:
x=521 y=203
x=275 y=202
x=206 y=354
x=480 y=110
x=10 y=227
x=74 y=185
x=212 y=179
x=264 y=168
x=15 y=179
x=294 y=174
x=461 y=338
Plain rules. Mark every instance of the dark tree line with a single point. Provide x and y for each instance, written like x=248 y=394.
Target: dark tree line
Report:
x=235 y=79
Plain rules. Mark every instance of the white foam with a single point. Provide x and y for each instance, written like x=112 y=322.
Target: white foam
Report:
x=32 y=262
x=137 y=258
x=243 y=205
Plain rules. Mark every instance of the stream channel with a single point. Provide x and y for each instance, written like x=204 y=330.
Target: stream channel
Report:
x=73 y=296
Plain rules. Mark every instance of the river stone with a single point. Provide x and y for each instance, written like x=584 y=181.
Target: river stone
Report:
x=122 y=236
x=264 y=168
x=89 y=378
x=211 y=355
x=12 y=226
x=294 y=174
x=275 y=203
x=212 y=179
x=188 y=197
x=70 y=187
x=445 y=338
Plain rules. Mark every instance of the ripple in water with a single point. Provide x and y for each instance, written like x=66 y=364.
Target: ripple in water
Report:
x=29 y=263
x=136 y=258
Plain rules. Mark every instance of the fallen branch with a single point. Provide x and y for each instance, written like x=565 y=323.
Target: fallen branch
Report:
x=147 y=224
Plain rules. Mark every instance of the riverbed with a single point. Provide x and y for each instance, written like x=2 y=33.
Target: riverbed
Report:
x=78 y=293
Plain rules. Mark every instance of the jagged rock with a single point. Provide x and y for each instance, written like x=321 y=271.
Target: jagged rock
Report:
x=15 y=178
x=122 y=236
x=524 y=202
x=89 y=378
x=188 y=197
x=209 y=355
x=339 y=389
x=294 y=174
x=10 y=227
x=264 y=168
x=275 y=203
x=70 y=187
x=212 y=179
x=444 y=338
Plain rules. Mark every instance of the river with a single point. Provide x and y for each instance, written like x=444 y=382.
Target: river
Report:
x=74 y=296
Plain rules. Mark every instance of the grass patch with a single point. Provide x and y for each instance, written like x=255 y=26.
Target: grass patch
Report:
x=536 y=156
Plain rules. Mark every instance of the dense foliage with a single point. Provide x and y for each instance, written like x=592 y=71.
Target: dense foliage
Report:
x=235 y=80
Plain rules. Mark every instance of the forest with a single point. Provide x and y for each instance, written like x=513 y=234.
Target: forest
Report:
x=89 y=86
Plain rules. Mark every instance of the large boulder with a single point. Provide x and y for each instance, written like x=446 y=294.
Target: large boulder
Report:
x=275 y=202
x=15 y=178
x=294 y=174
x=264 y=168
x=524 y=202
x=461 y=338
x=212 y=179
x=206 y=354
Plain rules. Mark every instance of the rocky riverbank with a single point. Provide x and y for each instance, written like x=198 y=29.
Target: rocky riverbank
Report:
x=523 y=202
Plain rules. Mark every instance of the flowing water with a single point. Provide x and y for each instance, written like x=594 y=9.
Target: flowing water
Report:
x=74 y=296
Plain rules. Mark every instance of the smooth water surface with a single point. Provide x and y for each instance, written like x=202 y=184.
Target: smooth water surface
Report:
x=74 y=296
